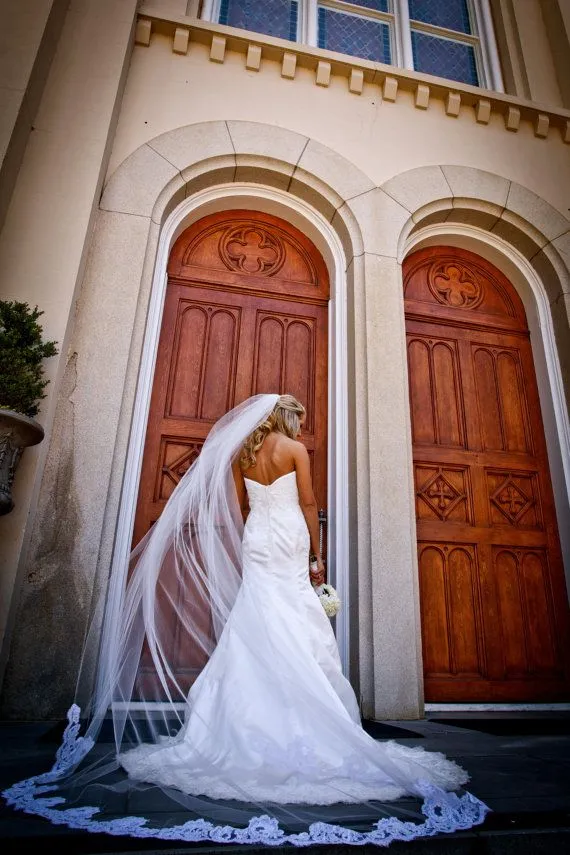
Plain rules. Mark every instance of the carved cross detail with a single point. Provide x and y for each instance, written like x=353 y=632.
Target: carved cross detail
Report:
x=440 y=494
x=510 y=496
x=252 y=250
x=454 y=285
x=441 y=491
x=511 y=500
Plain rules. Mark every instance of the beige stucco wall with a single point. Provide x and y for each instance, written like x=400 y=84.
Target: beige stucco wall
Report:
x=556 y=17
x=305 y=138
x=23 y=26
x=166 y=90
x=536 y=52
x=45 y=236
x=29 y=34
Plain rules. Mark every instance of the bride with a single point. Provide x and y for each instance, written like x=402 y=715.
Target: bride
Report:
x=269 y=720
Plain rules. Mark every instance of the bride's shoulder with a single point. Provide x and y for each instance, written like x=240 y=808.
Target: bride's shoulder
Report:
x=287 y=445
x=287 y=441
x=289 y=451
x=298 y=449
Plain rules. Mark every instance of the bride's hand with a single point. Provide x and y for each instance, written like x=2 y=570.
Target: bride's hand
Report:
x=318 y=576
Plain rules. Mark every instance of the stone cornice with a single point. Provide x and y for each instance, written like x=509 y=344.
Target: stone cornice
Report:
x=325 y=64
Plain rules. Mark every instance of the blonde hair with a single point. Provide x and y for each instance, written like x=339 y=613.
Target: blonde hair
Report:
x=284 y=418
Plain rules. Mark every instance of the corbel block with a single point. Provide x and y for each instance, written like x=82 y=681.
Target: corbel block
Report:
x=390 y=89
x=541 y=125
x=453 y=103
x=483 y=111
x=512 y=119
x=180 y=40
x=143 y=31
x=218 y=49
x=253 y=58
x=323 y=77
x=422 y=96
x=356 y=82
x=289 y=65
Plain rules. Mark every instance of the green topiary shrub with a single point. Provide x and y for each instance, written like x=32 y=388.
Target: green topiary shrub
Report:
x=22 y=352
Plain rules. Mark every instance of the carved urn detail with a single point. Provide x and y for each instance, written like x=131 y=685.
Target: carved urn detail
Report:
x=16 y=433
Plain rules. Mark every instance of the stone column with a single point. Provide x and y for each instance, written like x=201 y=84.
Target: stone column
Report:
x=396 y=642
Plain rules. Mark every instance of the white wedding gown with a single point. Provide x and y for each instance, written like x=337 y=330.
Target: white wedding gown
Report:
x=271 y=718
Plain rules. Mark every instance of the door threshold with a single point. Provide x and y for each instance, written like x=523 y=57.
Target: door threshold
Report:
x=439 y=708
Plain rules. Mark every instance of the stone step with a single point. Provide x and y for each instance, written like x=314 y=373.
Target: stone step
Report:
x=551 y=841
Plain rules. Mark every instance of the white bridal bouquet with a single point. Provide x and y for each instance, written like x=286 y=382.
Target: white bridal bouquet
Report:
x=329 y=599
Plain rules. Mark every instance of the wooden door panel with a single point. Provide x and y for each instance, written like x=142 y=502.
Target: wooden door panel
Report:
x=502 y=408
x=495 y=620
x=467 y=457
x=291 y=338
x=246 y=312
x=433 y=598
x=252 y=252
x=187 y=396
x=205 y=345
x=448 y=415
x=437 y=416
x=464 y=614
x=422 y=415
x=296 y=337
x=176 y=456
x=482 y=535
x=451 y=609
x=203 y=356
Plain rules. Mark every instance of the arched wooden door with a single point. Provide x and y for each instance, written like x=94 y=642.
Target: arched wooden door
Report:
x=494 y=607
x=246 y=312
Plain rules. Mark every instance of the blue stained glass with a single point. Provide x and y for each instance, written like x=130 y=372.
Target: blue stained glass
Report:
x=379 y=5
x=453 y=14
x=354 y=35
x=293 y=20
x=273 y=17
x=445 y=58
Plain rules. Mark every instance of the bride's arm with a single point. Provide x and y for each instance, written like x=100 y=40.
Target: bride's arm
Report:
x=240 y=489
x=308 y=505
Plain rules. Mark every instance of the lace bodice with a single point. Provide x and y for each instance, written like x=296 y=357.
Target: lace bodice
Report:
x=280 y=494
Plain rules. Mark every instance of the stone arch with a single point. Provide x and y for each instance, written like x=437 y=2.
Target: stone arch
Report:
x=161 y=173
x=156 y=182
x=530 y=241
x=464 y=195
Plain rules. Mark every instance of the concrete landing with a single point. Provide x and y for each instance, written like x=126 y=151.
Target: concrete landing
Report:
x=519 y=765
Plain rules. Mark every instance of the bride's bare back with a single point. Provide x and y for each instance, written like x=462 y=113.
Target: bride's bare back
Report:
x=275 y=458
x=279 y=455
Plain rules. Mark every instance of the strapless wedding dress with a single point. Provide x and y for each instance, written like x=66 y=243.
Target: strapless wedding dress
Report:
x=271 y=717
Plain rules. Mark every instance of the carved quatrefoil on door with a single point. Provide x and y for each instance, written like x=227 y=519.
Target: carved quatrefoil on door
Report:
x=454 y=285
x=440 y=494
x=511 y=500
x=252 y=249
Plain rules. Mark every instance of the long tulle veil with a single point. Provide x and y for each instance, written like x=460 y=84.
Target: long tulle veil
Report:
x=184 y=578
x=158 y=633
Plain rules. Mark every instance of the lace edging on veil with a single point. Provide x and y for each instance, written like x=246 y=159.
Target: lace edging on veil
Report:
x=445 y=812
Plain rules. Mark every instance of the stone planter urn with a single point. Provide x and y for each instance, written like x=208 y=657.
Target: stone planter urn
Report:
x=16 y=433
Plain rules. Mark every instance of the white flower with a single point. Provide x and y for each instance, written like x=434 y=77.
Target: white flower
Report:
x=329 y=599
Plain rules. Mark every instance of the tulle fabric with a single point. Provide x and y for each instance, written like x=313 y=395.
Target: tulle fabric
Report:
x=266 y=745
